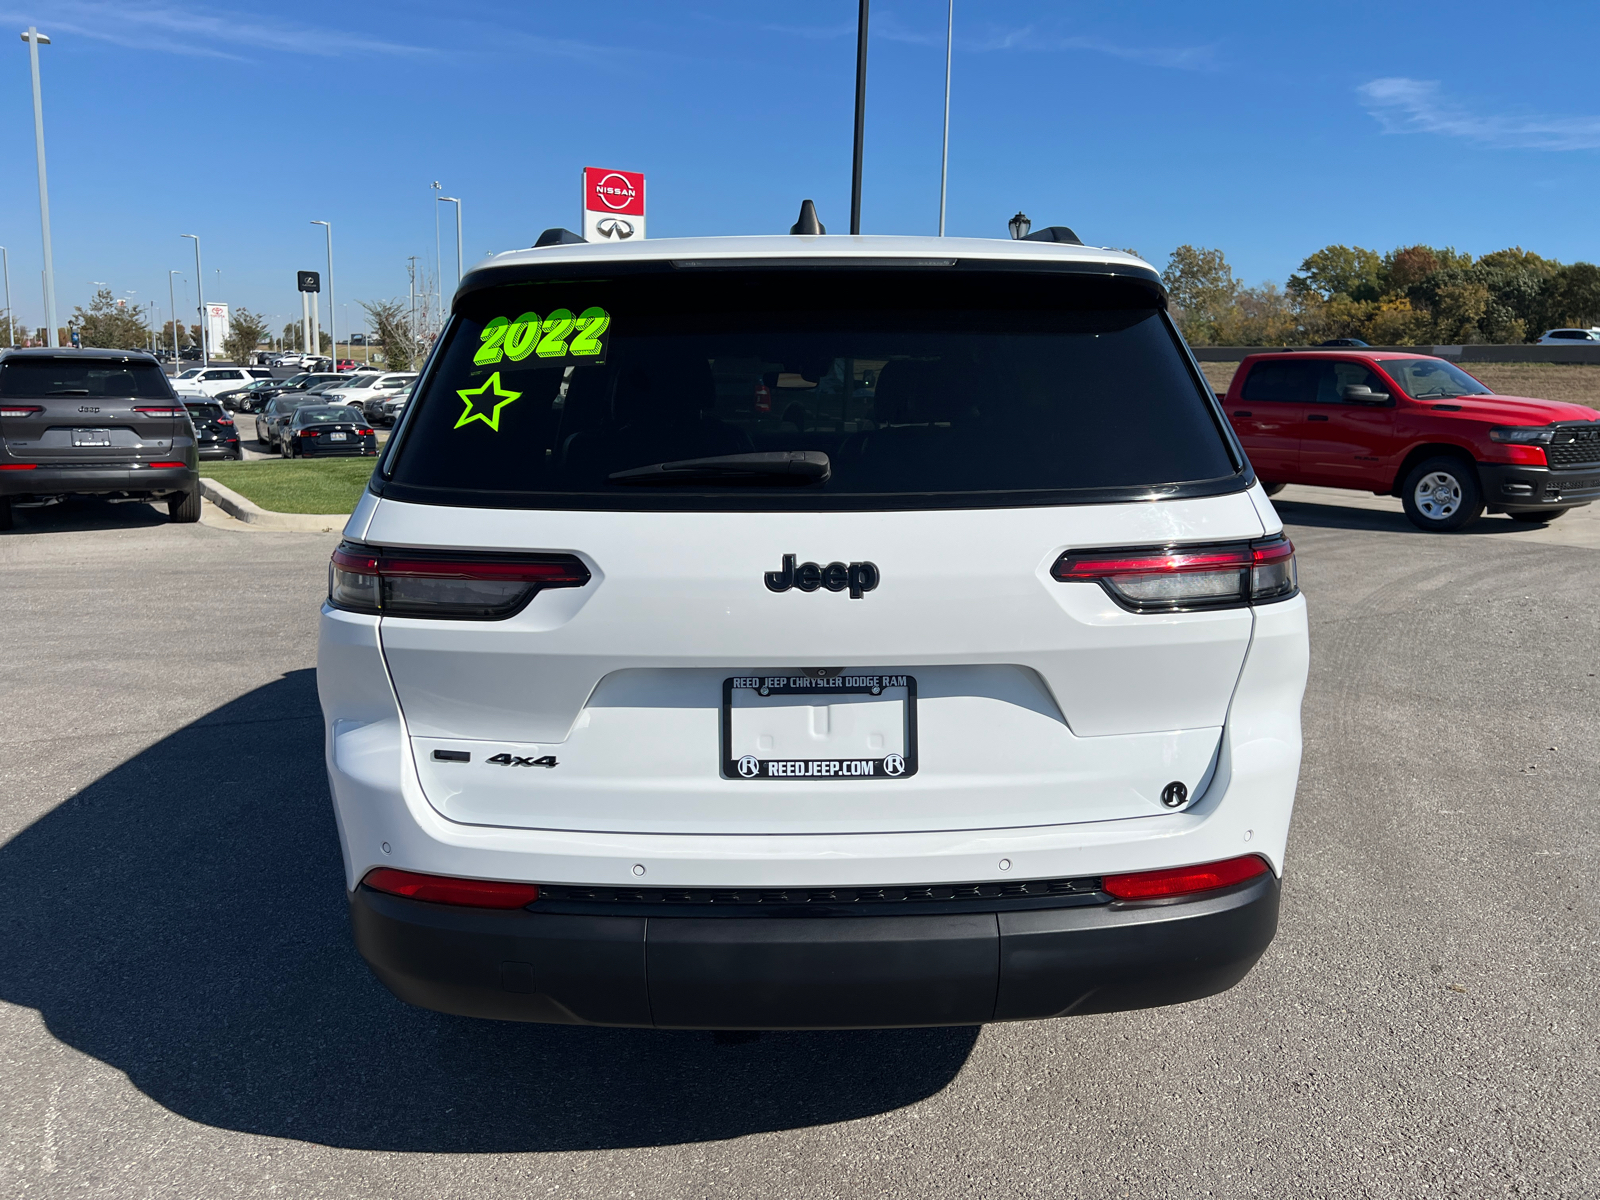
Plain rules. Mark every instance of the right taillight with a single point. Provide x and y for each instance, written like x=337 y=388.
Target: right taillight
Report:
x=1182 y=578
x=444 y=584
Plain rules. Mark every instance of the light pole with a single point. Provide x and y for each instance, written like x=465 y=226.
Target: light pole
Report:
x=35 y=39
x=333 y=332
x=11 y=317
x=944 y=157
x=411 y=331
x=172 y=299
x=457 y=203
x=200 y=291
x=861 y=118
x=438 y=265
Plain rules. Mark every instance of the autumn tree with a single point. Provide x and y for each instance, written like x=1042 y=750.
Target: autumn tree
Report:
x=245 y=331
x=391 y=324
x=111 y=326
x=1201 y=289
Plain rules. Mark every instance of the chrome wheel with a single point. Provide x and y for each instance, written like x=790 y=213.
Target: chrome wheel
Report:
x=1438 y=495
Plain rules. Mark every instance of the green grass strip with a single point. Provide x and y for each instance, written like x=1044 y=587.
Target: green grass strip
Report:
x=329 y=485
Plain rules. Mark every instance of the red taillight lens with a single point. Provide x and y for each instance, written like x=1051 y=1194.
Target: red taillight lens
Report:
x=159 y=410
x=308 y=433
x=224 y=420
x=1179 y=578
x=1182 y=881
x=21 y=410
x=363 y=432
x=18 y=466
x=459 y=586
x=441 y=889
x=168 y=464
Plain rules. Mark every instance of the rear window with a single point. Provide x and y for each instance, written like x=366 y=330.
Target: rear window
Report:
x=83 y=377
x=927 y=389
x=323 y=412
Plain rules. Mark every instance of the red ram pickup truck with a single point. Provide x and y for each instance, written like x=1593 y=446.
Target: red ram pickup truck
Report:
x=1415 y=427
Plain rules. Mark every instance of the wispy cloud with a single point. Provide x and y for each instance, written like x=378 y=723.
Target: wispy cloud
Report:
x=200 y=32
x=1403 y=105
x=997 y=38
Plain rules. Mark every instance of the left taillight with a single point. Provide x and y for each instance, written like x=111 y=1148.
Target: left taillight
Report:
x=1184 y=578
x=21 y=410
x=444 y=584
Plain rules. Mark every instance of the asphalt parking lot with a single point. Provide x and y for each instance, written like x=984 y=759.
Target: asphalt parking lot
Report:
x=182 y=1014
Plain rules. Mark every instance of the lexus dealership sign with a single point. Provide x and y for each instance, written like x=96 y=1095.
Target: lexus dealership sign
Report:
x=613 y=205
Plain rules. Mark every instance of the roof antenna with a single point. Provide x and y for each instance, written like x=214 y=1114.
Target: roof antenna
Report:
x=808 y=222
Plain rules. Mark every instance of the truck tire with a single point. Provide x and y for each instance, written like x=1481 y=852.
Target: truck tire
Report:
x=1539 y=516
x=1441 y=495
x=184 y=509
x=5 y=512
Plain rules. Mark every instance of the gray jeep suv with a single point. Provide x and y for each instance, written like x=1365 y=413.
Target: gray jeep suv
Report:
x=93 y=422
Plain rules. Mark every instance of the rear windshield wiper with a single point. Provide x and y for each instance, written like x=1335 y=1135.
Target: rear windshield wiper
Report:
x=791 y=467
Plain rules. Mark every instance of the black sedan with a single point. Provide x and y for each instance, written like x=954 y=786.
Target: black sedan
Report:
x=250 y=397
x=324 y=430
x=215 y=435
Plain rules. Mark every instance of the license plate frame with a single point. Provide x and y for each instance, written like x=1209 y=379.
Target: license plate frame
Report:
x=90 y=438
x=750 y=767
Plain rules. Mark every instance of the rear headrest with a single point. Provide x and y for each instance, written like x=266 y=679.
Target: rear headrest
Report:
x=912 y=392
x=663 y=392
x=119 y=383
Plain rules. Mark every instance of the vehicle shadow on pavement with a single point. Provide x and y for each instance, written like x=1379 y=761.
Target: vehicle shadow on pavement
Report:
x=1336 y=516
x=182 y=919
x=83 y=514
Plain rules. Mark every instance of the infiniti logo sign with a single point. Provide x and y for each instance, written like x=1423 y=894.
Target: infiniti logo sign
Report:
x=615 y=227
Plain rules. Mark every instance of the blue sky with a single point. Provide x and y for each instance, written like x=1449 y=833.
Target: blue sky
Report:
x=1266 y=130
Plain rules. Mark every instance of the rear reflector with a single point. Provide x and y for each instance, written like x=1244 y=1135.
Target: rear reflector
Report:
x=20 y=410
x=167 y=464
x=159 y=410
x=1182 y=881
x=18 y=466
x=450 y=585
x=1182 y=578
x=442 y=889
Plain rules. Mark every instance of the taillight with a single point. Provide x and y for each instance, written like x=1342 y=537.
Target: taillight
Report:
x=21 y=410
x=430 y=583
x=363 y=432
x=224 y=420
x=168 y=464
x=18 y=466
x=159 y=410
x=1181 y=578
x=308 y=433
x=442 y=889
x=1183 y=881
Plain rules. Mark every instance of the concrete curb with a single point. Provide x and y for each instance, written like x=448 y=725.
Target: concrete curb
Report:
x=235 y=505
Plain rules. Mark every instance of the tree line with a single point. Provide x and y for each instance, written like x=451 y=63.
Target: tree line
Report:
x=109 y=326
x=1411 y=296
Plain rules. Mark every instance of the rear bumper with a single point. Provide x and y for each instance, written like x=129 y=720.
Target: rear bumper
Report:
x=1508 y=488
x=813 y=972
x=47 y=479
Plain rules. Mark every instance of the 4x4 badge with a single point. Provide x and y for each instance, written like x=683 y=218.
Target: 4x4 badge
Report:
x=859 y=577
x=516 y=760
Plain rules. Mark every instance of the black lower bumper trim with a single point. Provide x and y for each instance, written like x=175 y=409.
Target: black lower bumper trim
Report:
x=48 y=479
x=813 y=972
x=1508 y=488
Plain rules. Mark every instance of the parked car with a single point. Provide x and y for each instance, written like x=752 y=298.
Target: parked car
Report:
x=392 y=407
x=349 y=364
x=364 y=388
x=977 y=700
x=93 y=422
x=276 y=413
x=326 y=430
x=215 y=435
x=1416 y=427
x=190 y=352
x=1355 y=343
x=1566 y=337
x=248 y=398
x=212 y=381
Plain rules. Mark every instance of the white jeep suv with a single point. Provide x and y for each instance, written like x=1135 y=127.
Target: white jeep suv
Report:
x=812 y=632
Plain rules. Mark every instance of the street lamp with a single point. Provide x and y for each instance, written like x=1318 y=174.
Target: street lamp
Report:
x=1019 y=226
x=944 y=157
x=333 y=333
x=173 y=301
x=861 y=118
x=35 y=39
x=200 y=291
x=457 y=203
x=11 y=317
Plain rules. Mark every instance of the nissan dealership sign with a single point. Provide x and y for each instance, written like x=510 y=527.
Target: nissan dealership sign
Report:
x=613 y=205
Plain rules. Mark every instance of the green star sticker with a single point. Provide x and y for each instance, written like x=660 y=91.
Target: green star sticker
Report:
x=470 y=396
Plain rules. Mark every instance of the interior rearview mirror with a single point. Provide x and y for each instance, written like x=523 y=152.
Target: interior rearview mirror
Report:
x=1360 y=393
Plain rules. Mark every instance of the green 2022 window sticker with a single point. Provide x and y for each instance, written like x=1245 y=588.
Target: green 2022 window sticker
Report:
x=559 y=334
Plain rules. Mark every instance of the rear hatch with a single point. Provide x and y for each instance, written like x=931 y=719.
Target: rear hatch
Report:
x=87 y=409
x=861 y=631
